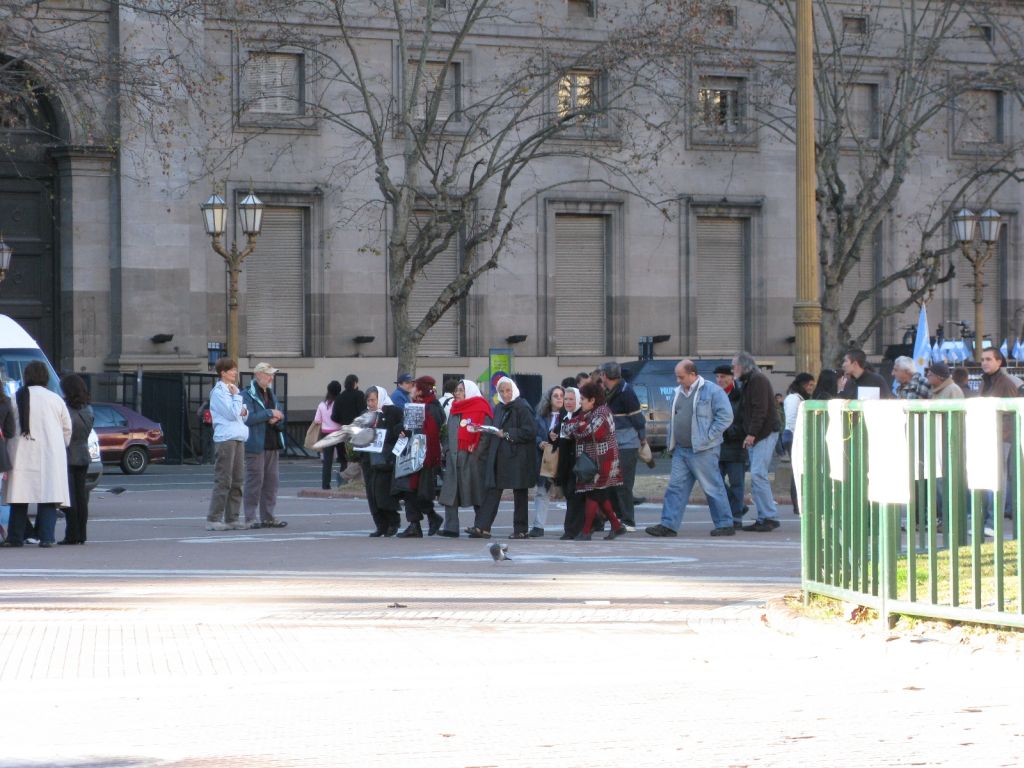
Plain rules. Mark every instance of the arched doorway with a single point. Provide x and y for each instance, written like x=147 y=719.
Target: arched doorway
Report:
x=28 y=207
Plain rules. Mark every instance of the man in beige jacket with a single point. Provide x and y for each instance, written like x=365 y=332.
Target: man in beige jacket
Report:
x=943 y=387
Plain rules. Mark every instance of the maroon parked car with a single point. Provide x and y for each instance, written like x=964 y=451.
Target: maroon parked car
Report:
x=128 y=438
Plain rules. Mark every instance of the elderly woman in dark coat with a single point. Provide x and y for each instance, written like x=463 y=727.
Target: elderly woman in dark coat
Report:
x=464 y=465
x=511 y=462
x=564 y=476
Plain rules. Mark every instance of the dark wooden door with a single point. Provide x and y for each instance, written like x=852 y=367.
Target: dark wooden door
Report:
x=30 y=292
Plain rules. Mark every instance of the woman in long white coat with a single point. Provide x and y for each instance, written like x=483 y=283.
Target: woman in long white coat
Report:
x=39 y=458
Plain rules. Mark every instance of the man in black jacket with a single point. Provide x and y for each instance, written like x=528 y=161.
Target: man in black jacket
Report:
x=629 y=434
x=732 y=462
x=760 y=420
x=857 y=376
x=349 y=404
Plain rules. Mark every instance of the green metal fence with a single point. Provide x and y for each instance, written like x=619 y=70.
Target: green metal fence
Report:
x=935 y=556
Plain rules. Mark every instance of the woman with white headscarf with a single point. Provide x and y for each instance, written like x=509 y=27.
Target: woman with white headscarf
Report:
x=564 y=477
x=379 y=468
x=511 y=462
x=464 y=465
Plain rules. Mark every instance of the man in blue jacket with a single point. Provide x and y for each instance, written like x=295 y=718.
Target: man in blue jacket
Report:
x=699 y=417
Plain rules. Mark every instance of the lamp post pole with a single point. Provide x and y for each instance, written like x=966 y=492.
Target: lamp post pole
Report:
x=807 y=307
x=966 y=225
x=250 y=212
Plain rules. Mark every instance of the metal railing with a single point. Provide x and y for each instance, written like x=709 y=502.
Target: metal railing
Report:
x=947 y=552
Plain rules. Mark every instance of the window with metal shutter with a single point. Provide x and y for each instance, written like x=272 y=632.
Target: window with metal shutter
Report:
x=275 y=279
x=581 y=289
x=860 y=278
x=272 y=84
x=991 y=302
x=443 y=338
x=431 y=81
x=721 y=284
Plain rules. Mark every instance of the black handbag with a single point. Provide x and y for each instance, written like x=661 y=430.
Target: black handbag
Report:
x=585 y=469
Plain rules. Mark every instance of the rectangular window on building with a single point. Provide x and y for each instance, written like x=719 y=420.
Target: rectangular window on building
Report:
x=435 y=80
x=721 y=104
x=855 y=25
x=980 y=118
x=862 y=118
x=860 y=278
x=721 y=284
x=980 y=32
x=581 y=9
x=443 y=339
x=276 y=275
x=273 y=84
x=724 y=16
x=581 y=287
x=581 y=97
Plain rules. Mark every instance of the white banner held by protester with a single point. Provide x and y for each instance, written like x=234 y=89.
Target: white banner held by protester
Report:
x=413 y=416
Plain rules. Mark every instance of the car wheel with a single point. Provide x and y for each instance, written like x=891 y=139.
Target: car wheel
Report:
x=134 y=461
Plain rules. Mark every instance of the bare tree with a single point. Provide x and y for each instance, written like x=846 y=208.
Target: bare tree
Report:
x=894 y=82
x=457 y=154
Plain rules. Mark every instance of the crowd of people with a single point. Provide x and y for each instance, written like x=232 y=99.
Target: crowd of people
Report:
x=44 y=450
x=581 y=444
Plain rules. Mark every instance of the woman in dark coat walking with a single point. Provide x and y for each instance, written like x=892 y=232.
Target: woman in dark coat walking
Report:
x=349 y=404
x=76 y=397
x=595 y=436
x=464 y=464
x=378 y=468
x=564 y=477
x=511 y=462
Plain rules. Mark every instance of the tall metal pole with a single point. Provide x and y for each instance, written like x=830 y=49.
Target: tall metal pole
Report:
x=234 y=259
x=807 y=307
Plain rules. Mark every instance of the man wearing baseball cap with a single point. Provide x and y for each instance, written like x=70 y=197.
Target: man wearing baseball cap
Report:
x=402 y=395
x=266 y=439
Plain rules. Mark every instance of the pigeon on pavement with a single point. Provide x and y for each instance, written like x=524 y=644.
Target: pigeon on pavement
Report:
x=499 y=552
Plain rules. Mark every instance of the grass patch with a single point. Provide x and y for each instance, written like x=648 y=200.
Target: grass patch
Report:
x=966 y=558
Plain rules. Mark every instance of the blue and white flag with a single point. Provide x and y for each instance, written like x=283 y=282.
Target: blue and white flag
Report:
x=922 y=350
x=1017 y=350
x=961 y=351
x=1004 y=349
x=937 y=354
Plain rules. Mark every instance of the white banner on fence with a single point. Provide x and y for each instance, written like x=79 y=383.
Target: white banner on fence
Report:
x=888 y=452
x=983 y=444
x=797 y=455
x=834 y=440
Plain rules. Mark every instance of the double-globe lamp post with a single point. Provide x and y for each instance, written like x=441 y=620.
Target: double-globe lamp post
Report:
x=968 y=229
x=215 y=217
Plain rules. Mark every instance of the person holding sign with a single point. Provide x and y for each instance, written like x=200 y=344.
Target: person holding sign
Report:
x=378 y=463
x=423 y=415
x=464 y=465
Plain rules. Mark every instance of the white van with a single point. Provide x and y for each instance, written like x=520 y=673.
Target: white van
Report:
x=18 y=349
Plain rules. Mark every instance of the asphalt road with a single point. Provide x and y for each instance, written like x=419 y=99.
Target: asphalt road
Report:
x=159 y=644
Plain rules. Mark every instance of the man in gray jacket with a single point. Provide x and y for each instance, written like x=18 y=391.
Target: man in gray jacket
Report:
x=700 y=415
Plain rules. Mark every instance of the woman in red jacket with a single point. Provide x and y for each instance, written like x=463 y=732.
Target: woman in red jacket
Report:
x=422 y=485
x=594 y=433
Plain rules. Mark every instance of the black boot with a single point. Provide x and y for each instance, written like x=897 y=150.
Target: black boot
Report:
x=379 y=532
x=412 y=531
x=436 y=521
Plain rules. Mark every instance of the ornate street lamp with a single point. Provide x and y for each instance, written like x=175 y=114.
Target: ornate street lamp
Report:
x=5 y=258
x=215 y=217
x=969 y=228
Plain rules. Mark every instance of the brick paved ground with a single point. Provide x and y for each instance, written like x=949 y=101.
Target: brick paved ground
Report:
x=160 y=645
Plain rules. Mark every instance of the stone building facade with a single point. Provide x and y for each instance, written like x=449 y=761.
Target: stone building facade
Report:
x=100 y=202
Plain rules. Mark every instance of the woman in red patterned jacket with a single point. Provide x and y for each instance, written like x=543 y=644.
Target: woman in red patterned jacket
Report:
x=594 y=433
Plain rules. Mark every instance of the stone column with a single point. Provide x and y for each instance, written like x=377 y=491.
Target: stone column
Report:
x=85 y=213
